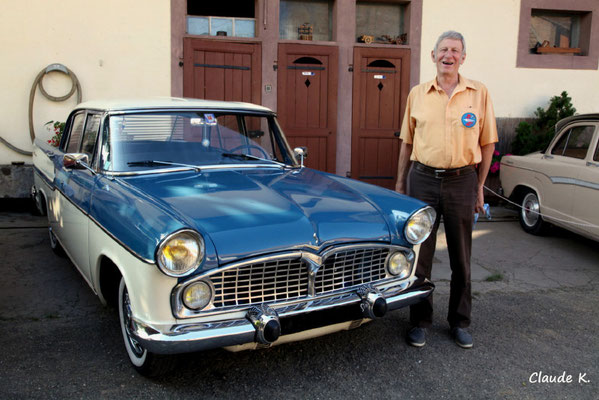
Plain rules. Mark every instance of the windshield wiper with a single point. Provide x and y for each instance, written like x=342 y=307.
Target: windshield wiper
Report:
x=154 y=163
x=253 y=158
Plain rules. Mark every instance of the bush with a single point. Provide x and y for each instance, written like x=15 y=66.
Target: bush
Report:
x=536 y=136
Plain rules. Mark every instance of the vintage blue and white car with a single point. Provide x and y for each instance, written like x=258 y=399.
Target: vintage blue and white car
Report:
x=202 y=226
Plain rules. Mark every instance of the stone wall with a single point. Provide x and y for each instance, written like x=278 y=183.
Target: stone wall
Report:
x=16 y=180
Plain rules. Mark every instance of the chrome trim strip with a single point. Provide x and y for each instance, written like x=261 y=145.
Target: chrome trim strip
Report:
x=573 y=181
x=560 y=180
x=196 y=336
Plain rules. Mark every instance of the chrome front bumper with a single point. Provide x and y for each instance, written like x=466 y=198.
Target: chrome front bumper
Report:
x=311 y=315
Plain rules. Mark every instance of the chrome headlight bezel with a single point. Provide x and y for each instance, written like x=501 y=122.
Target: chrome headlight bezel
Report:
x=420 y=225
x=195 y=246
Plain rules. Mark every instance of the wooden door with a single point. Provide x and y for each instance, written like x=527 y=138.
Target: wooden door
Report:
x=380 y=89
x=219 y=70
x=307 y=100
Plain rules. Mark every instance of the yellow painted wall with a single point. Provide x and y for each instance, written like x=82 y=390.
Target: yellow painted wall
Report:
x=490 y=28
x=117 y=48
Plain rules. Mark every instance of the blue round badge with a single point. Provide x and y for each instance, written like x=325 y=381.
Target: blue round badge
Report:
x=469 y=120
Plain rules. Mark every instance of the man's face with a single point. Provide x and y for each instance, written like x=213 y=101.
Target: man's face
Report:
x=449 y=57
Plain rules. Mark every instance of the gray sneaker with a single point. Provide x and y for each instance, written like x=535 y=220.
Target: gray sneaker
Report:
x=462 y=337
x=416 y=337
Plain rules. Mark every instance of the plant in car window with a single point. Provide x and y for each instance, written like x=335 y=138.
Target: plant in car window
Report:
x=55 y=128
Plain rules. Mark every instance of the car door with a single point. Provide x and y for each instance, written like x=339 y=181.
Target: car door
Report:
x=586 y=194
x=75 y=187
x=562 y=163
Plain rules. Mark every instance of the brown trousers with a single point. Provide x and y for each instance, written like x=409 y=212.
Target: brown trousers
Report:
x=453 y=198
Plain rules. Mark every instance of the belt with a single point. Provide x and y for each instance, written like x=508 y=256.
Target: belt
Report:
x=442 y=173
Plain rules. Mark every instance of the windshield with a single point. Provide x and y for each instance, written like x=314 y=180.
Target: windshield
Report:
x=187 y=139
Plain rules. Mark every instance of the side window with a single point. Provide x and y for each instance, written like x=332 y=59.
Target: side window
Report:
x=579 y=142
x=90 y=135
x=574 y=143
x=596 y=156
x=76 y=131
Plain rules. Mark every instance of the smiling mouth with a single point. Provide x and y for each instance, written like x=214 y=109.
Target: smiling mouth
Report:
x=447 y=63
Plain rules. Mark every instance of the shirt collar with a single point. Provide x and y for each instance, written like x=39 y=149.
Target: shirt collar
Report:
x=463 y=84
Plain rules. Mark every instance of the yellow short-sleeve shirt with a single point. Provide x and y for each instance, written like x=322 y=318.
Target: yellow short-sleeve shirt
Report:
x=449 y=132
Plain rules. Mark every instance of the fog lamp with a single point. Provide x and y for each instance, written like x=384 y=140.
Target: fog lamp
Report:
x=399 y=265
x=197 y=295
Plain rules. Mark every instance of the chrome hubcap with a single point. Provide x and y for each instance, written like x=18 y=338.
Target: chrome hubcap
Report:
x=135 y=346
x=530 y=209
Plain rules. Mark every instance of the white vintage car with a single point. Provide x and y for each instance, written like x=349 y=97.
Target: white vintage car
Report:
x=560 y=185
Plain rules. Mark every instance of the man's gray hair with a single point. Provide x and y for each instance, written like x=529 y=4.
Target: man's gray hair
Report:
x=451 y=35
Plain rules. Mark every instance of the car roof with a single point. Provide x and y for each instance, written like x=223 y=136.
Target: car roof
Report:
x=581 y=117
x=168 y=103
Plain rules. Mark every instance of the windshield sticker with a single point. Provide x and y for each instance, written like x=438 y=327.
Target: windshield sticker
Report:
x=210 y=119
x=196 y=121
x=469 y=120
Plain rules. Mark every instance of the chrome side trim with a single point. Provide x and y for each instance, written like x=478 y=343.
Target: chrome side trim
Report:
x=574 y=182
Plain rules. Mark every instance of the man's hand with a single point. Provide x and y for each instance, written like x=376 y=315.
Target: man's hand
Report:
x=480 y=201
x=403 y=166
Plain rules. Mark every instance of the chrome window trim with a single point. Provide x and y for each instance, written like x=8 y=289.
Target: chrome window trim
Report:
x=314 y=260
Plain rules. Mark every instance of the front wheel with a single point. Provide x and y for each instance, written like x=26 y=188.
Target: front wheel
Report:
x=530 y=214
x=144 y=362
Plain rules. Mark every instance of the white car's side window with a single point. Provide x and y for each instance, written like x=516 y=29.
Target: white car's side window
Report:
x=575 y=142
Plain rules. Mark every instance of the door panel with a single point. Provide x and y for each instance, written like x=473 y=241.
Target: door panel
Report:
x=307 y=100
x=381 y=86
x=218 y=70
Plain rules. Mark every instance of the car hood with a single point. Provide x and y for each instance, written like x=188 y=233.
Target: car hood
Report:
x=247 y=212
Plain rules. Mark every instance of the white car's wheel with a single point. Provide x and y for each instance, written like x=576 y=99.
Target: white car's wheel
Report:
x=530 y=214
x=146 y=363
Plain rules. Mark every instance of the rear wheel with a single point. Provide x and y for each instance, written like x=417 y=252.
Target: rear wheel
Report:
x=530 y=214
x=55 y=244
x=144 y=362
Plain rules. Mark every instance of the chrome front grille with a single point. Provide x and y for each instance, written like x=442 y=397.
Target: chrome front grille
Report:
x=281 y=279
x=259 y=282
x=350 y=268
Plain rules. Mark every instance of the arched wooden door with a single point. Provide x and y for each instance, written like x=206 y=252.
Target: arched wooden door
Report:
x=307 y=100
x=380 y=89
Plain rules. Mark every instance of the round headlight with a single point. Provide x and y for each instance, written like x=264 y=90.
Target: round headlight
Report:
x=180 y=253
x=420 y=225
x=399 y=265
x=197 y=295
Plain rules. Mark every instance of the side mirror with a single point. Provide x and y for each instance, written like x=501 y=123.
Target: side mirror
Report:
x=301 y=152
x=75 y=161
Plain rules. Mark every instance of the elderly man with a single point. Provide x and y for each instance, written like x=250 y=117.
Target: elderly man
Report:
x=448 y=137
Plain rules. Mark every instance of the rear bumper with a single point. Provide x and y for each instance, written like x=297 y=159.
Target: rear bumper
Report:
x=309 y=318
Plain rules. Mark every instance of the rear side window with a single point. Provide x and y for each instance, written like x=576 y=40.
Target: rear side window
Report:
x=575 y=142
x=90 y=135
x=76 y=131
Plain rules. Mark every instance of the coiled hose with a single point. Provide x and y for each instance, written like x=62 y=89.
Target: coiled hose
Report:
x=38 y=82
